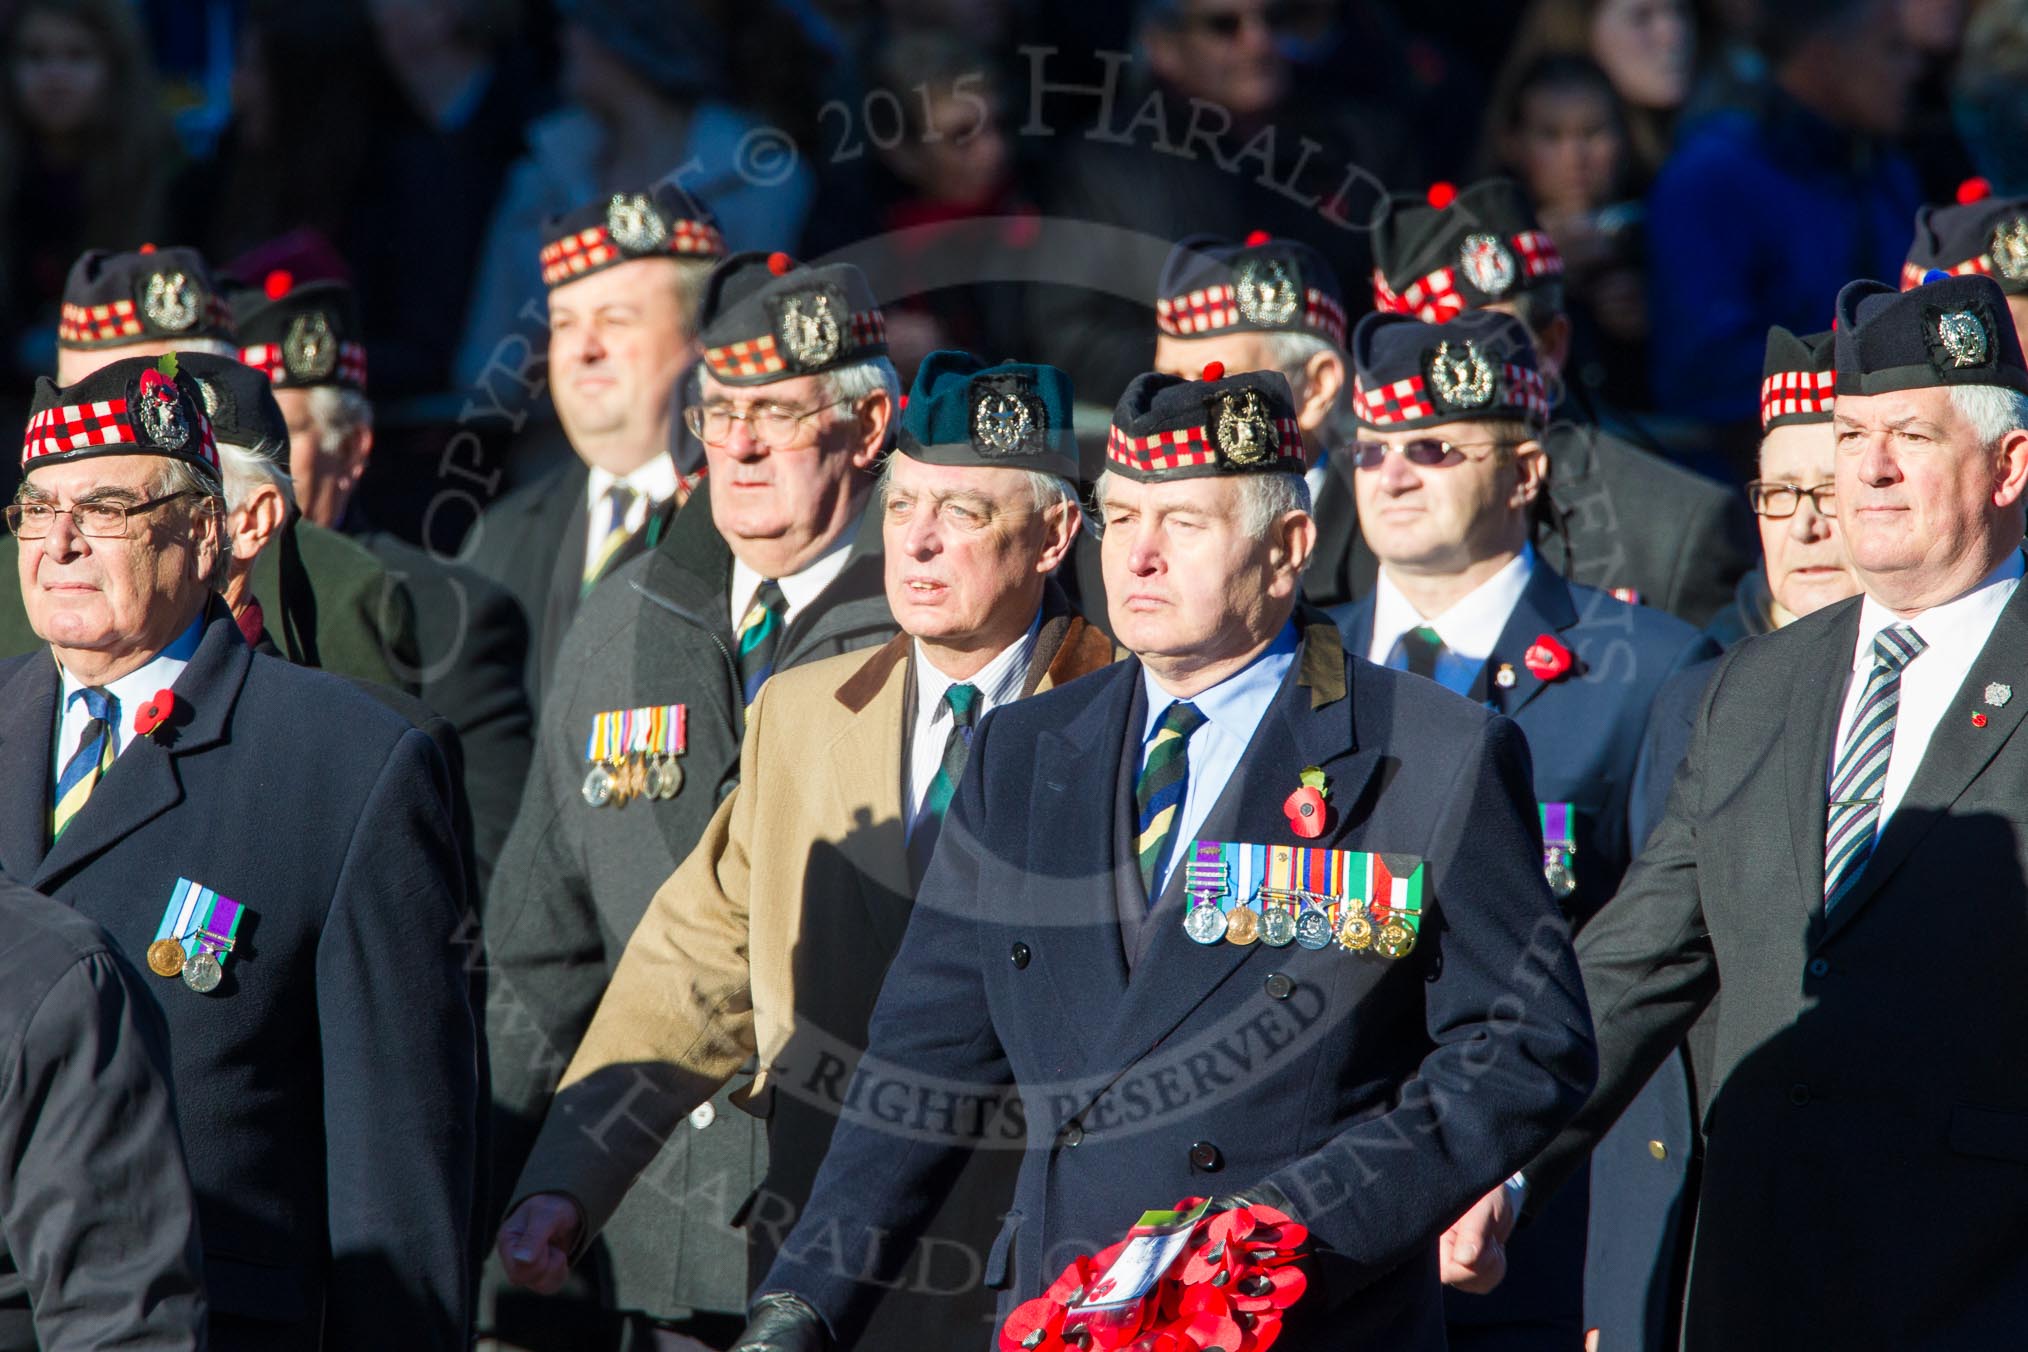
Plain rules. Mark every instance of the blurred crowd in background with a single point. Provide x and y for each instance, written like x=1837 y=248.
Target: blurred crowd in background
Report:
x=1705 y=169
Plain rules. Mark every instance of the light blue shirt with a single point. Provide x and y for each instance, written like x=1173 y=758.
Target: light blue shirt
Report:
x=1232 y=711
x=129 y=693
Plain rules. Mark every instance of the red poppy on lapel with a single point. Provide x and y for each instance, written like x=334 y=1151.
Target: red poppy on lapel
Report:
x=1547 y=658
x=153 y=715
x=1306 y=809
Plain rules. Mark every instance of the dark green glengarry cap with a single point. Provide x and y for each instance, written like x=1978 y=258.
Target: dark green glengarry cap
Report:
x=767 y=317
x=1012 y=416
x=1798 y=380
x=134 y=406
x=1950 y=331
x=240 y=404
x=111 y=299
x=1167 y=427
x=300 y=335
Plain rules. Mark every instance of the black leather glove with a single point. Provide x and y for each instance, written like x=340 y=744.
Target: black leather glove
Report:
x=783 y=1322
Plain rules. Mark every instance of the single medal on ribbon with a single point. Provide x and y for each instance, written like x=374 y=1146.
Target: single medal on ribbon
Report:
x=1206 y=883
x=1559 y=848
x=1279 y=899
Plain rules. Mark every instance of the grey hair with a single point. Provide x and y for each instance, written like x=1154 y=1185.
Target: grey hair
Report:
x=246 y=470
x=1992 y=410
x=339 y=413
x=1045 y=490
x=861 y=378
x=1263 y=498
x=1291 y=353
x=180 y=476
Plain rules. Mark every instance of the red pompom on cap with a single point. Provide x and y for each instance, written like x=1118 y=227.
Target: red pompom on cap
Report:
x=279 y=283
x=147 y=248
x=779 y=263
x=1214 y=370
x=1974 y=190
x=1442 y=195
x=1257 y=238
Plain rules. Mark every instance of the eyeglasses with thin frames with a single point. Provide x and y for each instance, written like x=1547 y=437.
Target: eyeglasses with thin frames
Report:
x=103 y=520
x=771 y=425
x=1423 y=452
x=1778 y=500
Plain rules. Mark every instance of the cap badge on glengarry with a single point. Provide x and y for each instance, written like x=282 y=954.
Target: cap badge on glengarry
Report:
x=1459 y=376
x=308 y=348
x=1266 y=291
x=171 y=300
x=1487 y=261
x=635 y=223
x=1963 y=337
x=1245 y=433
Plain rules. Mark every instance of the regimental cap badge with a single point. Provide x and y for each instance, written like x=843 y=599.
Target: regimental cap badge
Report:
x=1008 y=418
x=1962 y=334
x=635 y=223
x=172 y=300
x=1460 y=376
x=1489 y=263
x=1998 y=693
x=1245 y=433
x=309 y=349
x=2010 y=249
x=810 y=325
x=1268 y=290
x=158 y=408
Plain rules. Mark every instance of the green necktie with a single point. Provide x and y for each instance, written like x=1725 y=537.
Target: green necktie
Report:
x=1420 y=646
x=1158 y=792
x=759 y=635
x=964 y=705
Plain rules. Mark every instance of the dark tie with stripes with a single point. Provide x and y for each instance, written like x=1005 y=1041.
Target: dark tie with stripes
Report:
x=760 y=633
x=964 y=705
x=1860 y=771
x=1159 y=791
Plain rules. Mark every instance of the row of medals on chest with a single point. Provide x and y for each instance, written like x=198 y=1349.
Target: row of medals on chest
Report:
x=638 y=774
x=1301 y=918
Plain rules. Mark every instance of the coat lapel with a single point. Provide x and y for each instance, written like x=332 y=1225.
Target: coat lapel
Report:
x=1958 y=752
x=1309 y=723
x=1545 y=607
x=143 y=783
x=27 y=737
x=864 y=761
x=1811 y=725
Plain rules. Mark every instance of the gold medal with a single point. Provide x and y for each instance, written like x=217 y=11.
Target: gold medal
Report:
x=1356 y=933
x=165 y=957
x=1242 y=926
x=1395 y=940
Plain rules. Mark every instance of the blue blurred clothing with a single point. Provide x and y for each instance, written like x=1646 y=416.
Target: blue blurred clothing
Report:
x=1758 y=218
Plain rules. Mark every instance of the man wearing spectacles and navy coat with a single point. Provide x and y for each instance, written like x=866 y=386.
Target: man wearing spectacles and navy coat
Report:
x=1445 y=471
x=774 y=562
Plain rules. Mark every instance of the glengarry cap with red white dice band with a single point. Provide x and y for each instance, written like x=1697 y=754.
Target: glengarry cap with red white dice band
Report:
x=1950 y=331
x=660 y=221
x=1979 y=234
x=1798 y=380
x=1439 y=255
x=1212 y=286
x=1480 y=367
x=1166 y=427
x=136 y=406
x=301 y=334
x=767 y=317
x=146 y=294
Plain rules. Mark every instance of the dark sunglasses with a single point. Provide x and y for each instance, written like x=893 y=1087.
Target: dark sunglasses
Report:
x=1426 y=452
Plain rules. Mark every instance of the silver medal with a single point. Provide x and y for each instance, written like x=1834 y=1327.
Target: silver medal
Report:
x=1313 y=929
x=651 y=780
x=1205 y=924
x=598 y=786
x=1277 y=926
x=1556 y=868
x=672 y=778
x=202 y=972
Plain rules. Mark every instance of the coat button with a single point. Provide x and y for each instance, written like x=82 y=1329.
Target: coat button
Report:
x=1073 y=1135
x=1658 y=1150
x=1279 y=986
x=703 y=1115
x=1019 y=956
x=1205 y=1156
x=1820 y=966
x=1799 y=1094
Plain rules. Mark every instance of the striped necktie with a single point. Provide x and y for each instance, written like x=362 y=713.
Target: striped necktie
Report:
x=1158 y=792
x=964 y=705
x=1860 y=771
x=760 y=633
x=620 y=500
x=86 y=764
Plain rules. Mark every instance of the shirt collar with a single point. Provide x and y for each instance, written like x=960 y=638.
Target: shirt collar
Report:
x=1235 y=704
x=1470 y=628
x=1965 y=619
x=138 y=686
x=998 y=682
x=798 y=588
x=655 y=480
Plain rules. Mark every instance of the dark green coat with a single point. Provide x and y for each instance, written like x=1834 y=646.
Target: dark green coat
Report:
x=574 y=880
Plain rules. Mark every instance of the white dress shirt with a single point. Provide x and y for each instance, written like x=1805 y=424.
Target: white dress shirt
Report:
x=653 y=483
x=1469 y=629
x=1316 y=474
x=998 y=682
x=129 y=693
x=1232 y=711
x=798 y=589
x=1953 y=634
